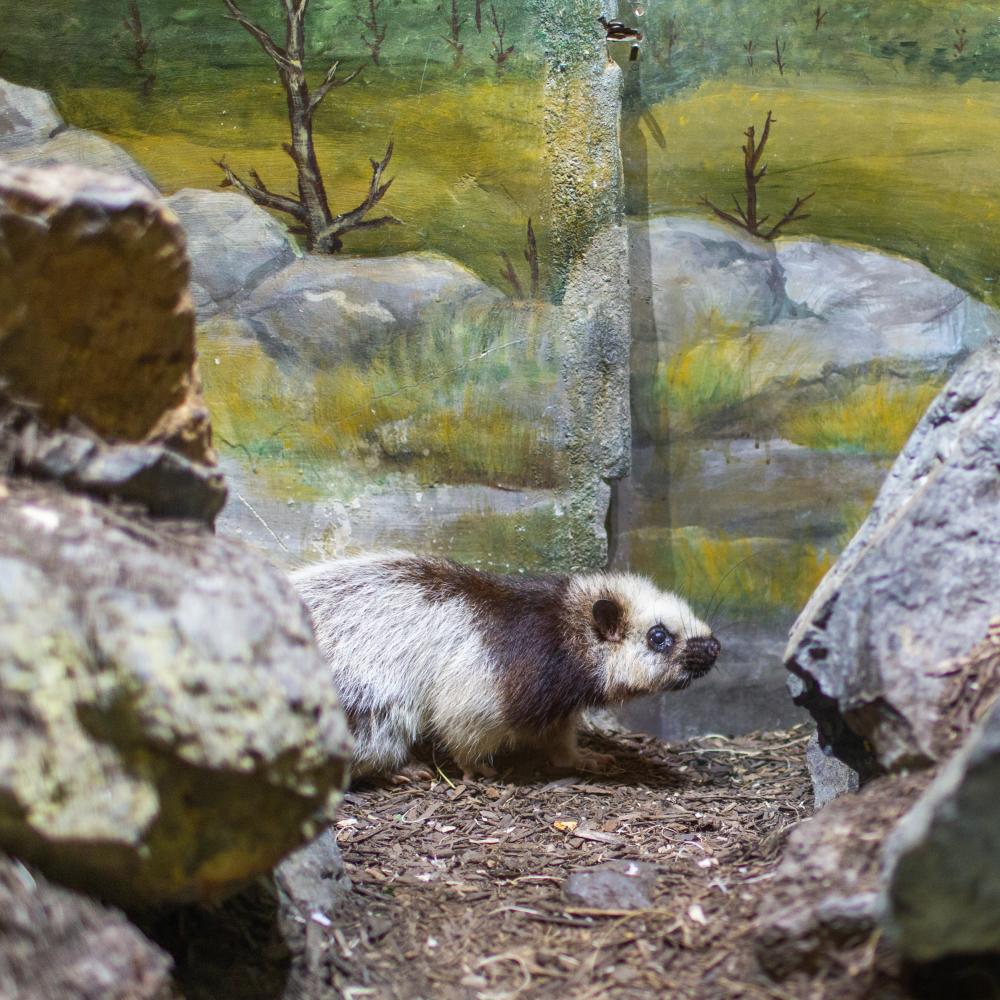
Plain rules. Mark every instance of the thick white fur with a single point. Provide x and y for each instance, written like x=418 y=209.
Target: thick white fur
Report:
x=423 y=667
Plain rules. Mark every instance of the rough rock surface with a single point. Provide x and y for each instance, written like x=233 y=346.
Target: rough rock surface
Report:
x=163 y=482
x=330 y=309
x=917 y=585
x=74 y=146
x=312 y=886
x=168 y=733
x=818 y=307
x=93 y=297
x=27 y=116
x=942 y=863
x=831 y=777
x=58 y=945
x=824 y=897
x=617 y=885
x=233 y=245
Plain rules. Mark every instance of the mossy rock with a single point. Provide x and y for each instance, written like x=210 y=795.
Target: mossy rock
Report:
x=170 y=730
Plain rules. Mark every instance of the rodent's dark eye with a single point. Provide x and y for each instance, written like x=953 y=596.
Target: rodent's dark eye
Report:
x=659 y=638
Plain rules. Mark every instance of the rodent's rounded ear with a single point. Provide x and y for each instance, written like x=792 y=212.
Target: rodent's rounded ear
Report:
x=608 y=620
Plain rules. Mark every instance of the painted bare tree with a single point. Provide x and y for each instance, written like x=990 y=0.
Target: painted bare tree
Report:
x=747 y=218
x=500 y=53
x=138 y=47
x=376 y=29
x=310 y=208
x=455 y=24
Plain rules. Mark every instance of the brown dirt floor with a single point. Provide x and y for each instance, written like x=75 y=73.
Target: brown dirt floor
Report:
x=459 y=892
x=459 y=887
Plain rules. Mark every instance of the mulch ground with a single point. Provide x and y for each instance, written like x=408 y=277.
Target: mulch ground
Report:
x=459 y=888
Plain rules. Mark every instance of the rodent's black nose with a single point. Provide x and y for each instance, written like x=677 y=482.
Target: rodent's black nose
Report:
x=701 y=652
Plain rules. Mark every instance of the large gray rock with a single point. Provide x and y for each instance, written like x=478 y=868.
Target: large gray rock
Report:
x=916 y=586
x=941 y=868
x=58 y=945
x=868 y=305
x=168 y=728
x=79 y=147
x=233 y=245
x=700 y=268
x=326 y=310
x=27 y=116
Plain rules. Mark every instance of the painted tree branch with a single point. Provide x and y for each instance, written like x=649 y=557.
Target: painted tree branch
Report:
x=753 y=173
x=329 y=82
x=311 y=207
x=355 y=219
x=259 y=193
x=531 y=256
x=139 y=46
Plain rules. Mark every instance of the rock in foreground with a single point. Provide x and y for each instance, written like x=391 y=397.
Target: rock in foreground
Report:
x=942 y=864
x=58 y=945
x=915 y=587
x=95 y=318
x=169 y=731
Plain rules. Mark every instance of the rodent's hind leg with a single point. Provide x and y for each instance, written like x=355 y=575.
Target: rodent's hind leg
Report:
x=564 y=751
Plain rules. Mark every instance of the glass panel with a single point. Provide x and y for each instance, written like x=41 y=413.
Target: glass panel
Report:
x=812 y=192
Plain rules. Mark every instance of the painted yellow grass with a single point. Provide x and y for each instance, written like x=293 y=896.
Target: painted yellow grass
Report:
x=876 y=418
x=710 y=375
x=724 y=576
x=913 y=168
x=445 y=427
x=468 y=161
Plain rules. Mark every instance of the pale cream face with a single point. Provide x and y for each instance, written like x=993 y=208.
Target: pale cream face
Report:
x=658 y=644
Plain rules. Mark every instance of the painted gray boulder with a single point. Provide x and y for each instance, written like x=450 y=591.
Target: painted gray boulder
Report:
x=941 y=866
x=78 y=147
x=700 y=269
x=27 y=116
x=326 y=310
x=817 y=307
x=167 y=732
x=233 y=244
x=916 y=586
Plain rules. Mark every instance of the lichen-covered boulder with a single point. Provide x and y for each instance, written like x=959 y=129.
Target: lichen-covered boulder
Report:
x=95 y=318
x=916 y=586
x=169 y=727
x=59 y=945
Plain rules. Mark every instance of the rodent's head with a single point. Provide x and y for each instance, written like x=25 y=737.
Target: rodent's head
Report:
x=646 y=639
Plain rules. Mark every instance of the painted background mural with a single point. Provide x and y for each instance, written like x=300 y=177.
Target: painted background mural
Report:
x=366 y=192
x=813 y=192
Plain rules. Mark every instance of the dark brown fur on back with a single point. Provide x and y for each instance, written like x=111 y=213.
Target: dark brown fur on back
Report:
x=533 y=637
